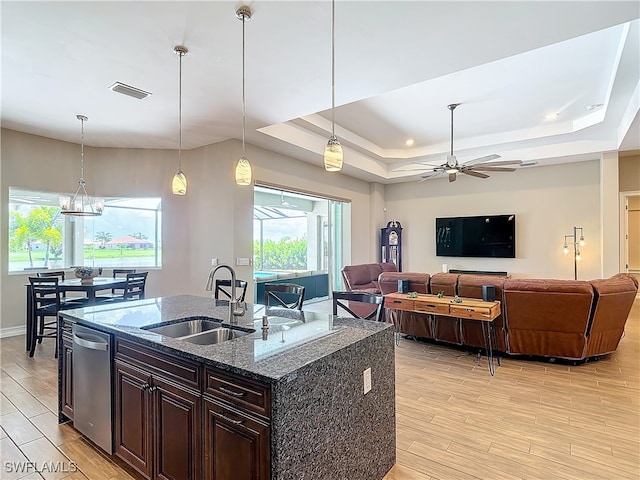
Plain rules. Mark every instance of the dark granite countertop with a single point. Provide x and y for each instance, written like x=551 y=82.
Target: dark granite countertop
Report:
x=290 y=344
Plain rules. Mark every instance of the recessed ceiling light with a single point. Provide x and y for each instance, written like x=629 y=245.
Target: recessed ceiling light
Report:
x=594 y=106
x=552 y=116
x=408 y=142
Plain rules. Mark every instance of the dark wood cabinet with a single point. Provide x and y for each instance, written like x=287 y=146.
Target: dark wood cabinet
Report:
x=236 y=443
x=177 y=425
x=157 y=421
x=66 y=376
x=133 y=417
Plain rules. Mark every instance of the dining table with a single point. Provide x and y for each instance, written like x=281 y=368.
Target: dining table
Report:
x=89 y=287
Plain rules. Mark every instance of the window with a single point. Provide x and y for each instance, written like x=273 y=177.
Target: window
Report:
x=127 y=234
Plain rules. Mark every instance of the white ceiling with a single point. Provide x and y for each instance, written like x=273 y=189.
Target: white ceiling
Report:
x=398 y=66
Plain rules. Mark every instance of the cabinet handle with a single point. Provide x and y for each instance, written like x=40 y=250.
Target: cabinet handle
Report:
x=236 y=422
x=145 y=386
x=231 y=392
x=153 y=389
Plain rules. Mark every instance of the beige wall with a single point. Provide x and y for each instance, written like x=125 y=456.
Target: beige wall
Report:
x=214 y=219
x=629 y=173
x=548 y=203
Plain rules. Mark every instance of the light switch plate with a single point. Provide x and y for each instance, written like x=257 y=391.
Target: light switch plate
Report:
x=214 y=262
x=367 y=380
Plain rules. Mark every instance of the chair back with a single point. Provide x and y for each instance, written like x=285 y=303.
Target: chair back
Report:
x=288 y=295
x=45 y=295
x=224 y=287
x=134 y=289
x=121 y=272
x=342 y=300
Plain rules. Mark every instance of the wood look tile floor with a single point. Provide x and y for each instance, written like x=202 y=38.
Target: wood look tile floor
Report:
x=532 y=420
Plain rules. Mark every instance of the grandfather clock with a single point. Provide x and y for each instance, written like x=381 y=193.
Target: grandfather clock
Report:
x=391 y=242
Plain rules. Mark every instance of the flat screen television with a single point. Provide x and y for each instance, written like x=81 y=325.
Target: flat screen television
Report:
x=480 y=236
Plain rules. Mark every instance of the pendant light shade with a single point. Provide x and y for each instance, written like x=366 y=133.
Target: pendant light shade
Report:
x=179 y=182
x=243 y=171
x=333 y=152
x=243 y=167
x=81 y=204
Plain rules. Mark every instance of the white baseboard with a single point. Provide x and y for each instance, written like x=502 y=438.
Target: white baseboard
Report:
x=12 y=331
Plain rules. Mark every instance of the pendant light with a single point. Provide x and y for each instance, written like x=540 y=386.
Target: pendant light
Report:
x=243 y=167
x=81 y=204
x=333 y=151
x=179 y=183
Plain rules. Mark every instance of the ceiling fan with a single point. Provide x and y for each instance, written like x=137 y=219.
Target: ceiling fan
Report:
x=474 y=167
x=283 y=203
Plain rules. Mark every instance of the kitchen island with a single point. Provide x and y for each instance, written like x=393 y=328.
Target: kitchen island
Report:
x=284 y=402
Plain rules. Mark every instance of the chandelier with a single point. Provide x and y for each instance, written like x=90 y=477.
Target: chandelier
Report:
x=81 y=204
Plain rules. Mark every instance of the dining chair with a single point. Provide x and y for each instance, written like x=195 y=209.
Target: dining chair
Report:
x=116 y=293
x=342 y=300
x=65 y=301
x=288 y=295
x=224 y=287
x=136 y=283
x=45 y=301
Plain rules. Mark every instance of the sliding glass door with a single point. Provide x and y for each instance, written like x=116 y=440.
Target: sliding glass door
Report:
x=298 y=238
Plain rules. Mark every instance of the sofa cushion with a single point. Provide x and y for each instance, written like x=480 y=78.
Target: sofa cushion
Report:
x=418 y=282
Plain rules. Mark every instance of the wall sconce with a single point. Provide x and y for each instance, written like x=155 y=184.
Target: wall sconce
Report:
x=578 y=241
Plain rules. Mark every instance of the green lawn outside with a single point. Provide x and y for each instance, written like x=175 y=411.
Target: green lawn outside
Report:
x=89 y=253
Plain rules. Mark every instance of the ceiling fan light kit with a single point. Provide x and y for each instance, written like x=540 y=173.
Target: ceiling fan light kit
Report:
x=473 y=167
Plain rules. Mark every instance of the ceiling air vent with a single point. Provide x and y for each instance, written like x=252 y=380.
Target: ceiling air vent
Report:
x=129 y=90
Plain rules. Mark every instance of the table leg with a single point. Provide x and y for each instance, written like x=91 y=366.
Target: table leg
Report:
x=488 y=345
x=29 y=325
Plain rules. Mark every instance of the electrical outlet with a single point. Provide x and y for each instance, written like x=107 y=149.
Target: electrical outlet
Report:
x=367 y=380
x=242 y=262
x=214 y=262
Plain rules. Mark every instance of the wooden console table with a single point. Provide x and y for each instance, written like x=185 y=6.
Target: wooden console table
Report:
x=470 y=308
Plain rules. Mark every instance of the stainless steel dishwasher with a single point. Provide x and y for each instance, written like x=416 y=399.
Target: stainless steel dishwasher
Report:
x=92 y=385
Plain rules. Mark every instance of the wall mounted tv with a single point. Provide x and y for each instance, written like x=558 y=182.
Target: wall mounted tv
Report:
x=481 y=236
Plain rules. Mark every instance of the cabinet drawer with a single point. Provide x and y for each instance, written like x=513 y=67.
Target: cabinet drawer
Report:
x=249 y=394
x=474 y=312
x=178 y=369
x=399 y=303
x=431 y=307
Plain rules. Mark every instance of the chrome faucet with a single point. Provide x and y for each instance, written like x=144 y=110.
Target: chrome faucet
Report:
x=236 y=308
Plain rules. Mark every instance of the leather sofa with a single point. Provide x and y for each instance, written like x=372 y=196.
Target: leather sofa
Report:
x=364 y=278
x=539 y=317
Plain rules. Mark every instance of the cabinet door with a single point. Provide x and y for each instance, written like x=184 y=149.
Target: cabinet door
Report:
x=236 y=444
x=133 y=417
x=66 y=386
x=177 y=426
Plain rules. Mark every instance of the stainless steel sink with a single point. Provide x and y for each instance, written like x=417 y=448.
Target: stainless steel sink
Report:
x=187 y=327
x=199 y=330
x=215 y=336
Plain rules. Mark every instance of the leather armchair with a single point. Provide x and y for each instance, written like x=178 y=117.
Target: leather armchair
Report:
x=364 y=278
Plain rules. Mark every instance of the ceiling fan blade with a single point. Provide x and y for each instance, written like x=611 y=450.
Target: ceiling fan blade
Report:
x=505 y=162
x=473 y=173
x=486 y=158
x=428 y=176
x=452 y=177
x=487 y=168
x=416 y=169
x=415 y=166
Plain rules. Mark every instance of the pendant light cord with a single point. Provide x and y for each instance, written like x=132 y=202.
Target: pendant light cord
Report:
x=244 y=121
x=82 y=150
x=333 y=68
x=181 y=54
